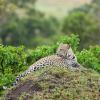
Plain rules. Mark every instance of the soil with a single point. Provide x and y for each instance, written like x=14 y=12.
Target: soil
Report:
x=27 y=87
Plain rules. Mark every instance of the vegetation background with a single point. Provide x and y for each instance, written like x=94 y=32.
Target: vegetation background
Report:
x=31 y=29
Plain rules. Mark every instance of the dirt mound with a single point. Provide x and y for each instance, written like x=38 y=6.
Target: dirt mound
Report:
x=27 y=87
x=57 y=83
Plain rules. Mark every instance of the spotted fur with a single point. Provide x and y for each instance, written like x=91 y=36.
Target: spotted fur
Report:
x=63 y=58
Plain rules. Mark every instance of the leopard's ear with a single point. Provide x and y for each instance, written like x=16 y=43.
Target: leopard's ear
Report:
x=68 y=45
x=58 y=52
x=60 y=44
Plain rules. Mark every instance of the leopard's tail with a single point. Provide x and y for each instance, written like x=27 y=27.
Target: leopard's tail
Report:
x=25 y=73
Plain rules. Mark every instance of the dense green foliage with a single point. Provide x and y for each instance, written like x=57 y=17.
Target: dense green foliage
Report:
x=12 y=57
x=12 y=61
x=90 y=58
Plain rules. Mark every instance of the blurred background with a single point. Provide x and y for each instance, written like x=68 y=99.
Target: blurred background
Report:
x=37 y=22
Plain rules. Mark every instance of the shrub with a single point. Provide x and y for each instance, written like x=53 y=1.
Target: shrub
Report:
x=96 y=51
x=12 y=61
x=7 y=78
x=88 y=59
x=12 y=57
x=39 y=52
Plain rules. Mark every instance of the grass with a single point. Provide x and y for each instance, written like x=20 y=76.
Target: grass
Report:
x=57 y=84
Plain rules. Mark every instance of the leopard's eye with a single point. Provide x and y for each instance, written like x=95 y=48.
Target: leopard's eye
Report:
x=61 y=49
x=73 y=57
x=69 y=55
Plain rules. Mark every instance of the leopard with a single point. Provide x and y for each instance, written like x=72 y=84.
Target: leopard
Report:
x=64 y=57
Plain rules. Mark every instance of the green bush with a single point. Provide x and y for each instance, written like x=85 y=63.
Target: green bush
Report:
x=12 y=61
x=12 y=57
x=89 y=59
x=96 y=51
x=39 y=52
x=7 y=78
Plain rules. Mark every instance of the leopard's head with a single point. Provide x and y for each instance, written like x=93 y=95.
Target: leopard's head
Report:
x=65 y=51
